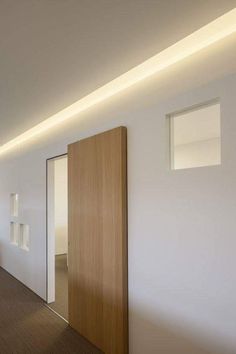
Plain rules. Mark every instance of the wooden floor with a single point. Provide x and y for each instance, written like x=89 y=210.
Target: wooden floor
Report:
x=61 y=286
x=28 y=326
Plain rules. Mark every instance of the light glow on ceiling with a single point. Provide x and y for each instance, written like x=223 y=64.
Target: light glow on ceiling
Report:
x=200 y=39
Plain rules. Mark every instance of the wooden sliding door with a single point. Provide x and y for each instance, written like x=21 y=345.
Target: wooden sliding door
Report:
x=98 y=240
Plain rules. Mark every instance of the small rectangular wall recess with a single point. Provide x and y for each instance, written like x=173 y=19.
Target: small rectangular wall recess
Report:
x=14 y=200
x=24 y=237
x=14 y=233
x=195 y=136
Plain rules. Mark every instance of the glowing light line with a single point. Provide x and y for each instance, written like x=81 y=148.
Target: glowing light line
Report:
x=198 y=40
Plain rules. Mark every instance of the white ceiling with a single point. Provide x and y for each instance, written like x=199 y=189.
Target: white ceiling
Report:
x=55 y=51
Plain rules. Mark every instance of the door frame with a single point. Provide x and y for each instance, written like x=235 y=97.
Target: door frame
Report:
x=50 y=237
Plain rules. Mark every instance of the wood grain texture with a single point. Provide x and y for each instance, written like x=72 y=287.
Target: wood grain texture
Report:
x=98 y=256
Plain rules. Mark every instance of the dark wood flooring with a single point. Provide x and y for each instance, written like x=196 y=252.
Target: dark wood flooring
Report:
x=61 y=286
x=27 y=326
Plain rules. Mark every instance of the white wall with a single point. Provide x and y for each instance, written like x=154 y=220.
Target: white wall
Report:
x=182 y=280
x=61 y=206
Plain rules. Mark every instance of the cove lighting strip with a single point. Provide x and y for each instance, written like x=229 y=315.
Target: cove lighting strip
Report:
x=200 y=39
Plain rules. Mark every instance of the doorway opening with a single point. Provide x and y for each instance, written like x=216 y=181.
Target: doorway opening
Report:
x=57 y=235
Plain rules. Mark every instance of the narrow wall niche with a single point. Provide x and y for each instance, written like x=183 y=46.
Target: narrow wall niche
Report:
x=24 y=237
x=14 y=233
x=19 y=232
x=14 y=202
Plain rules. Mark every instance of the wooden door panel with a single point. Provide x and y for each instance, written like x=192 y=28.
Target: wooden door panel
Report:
x=98 y=240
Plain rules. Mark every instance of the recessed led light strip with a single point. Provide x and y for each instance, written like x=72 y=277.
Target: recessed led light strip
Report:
x=200 y=39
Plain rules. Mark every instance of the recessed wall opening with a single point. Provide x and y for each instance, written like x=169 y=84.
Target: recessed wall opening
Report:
x=14 y=233
x=24 y=241
x=57 y=235
x=14 y=204
x=195 y=136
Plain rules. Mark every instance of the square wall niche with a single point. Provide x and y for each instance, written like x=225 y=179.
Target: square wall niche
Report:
x=14 y=202
x=195 y=136
x=14 y=233
x=24 y=237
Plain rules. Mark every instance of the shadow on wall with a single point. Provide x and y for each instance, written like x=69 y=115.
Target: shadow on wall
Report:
x=151 y=338
x=146 y=336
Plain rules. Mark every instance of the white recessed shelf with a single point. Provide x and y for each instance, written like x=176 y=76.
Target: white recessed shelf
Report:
x=195 y=136
x=14 y=199
x=24 y=237
x=14 y=233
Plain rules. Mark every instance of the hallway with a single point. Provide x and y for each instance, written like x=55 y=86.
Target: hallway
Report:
x=61 y=285
x=27 y=326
